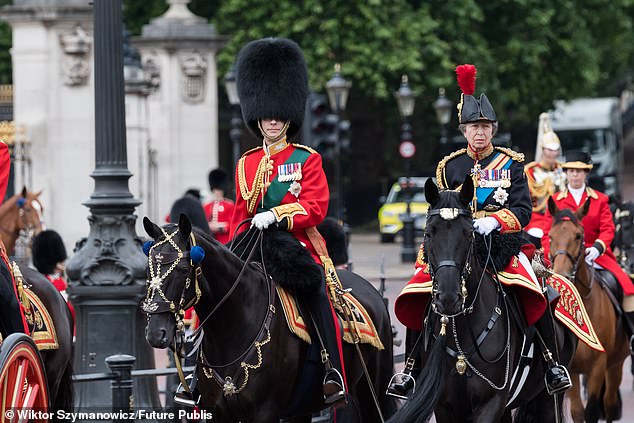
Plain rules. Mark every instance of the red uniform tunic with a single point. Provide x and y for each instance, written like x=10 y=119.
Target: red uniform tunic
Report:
x=220 y=212
x=307 y=208
x=599 y=230
x=5 y=168
x=542 y=183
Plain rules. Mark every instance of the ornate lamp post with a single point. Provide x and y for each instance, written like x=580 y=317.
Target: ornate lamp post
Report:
x=107 y=272
x=235 y=134
x=405 y=99
x=443 y=107
x=338 y=89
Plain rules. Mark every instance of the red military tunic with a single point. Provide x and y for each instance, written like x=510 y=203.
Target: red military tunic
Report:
x=599 y=230
x=220 y=213
x=303 y=204
x=5 y=168
x=542 y=183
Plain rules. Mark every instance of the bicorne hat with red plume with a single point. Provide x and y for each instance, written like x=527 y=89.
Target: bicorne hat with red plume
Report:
x=470 y=108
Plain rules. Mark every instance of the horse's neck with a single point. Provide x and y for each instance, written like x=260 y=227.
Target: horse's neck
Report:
x=8 y=225
x=583 y=278
x=243 y=290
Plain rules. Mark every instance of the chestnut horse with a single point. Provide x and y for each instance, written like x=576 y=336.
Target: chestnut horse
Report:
x=21 y=213
x=602 y=369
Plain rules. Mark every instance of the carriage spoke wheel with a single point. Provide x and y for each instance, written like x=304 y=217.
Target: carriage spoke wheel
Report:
x=22 y=379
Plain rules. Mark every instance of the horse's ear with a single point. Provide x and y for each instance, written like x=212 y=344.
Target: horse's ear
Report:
x=39 y=193
x=552 y=206
x=466 y=192
x=431 y=192
x=185 y=226
x=24 y=192
x=583 y=210
x=151 y=228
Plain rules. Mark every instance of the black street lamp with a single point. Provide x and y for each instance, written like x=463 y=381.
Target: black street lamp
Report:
x=107 y=272
x=405 y=99
x=338 y=89
x=443 y=107
x=235 y=134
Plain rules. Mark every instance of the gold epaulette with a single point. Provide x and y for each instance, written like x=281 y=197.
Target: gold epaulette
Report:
x=253 y=150
x=441 y=166
x=305 y=147
x=531 y=165
x=518 y=157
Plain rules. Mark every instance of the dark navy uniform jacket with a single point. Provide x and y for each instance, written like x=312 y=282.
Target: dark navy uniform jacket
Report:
x=501 y=185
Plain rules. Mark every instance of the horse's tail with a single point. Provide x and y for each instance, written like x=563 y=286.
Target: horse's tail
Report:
x=429 y=387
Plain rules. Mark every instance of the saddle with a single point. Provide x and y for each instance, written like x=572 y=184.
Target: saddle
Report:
x=37 y=315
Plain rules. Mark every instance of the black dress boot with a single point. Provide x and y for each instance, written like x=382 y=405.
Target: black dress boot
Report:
x=319 y=309
x=557 y=378
x=629 y=329
x=403 y=384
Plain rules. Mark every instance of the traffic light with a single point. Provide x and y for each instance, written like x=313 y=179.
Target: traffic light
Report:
x=320 y=127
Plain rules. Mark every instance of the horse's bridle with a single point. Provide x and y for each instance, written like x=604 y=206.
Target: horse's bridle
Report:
x=448 y=214
x=165 y=305
x=574 y=260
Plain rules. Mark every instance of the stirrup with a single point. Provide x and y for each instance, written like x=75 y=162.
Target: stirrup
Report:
x=333 y=387
x=632 y=346
x=184 y=398
x=550 y=388
x=400 y=389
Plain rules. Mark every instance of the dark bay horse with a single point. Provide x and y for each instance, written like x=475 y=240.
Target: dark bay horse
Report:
x=470 y=369
x=249 y=364
x=20 y=213
x=603 y=369
x=57 y=362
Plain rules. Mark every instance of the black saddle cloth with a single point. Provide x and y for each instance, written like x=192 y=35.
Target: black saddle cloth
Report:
x=289 y=263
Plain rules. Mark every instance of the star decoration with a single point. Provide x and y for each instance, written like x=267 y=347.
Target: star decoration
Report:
x=500 y=195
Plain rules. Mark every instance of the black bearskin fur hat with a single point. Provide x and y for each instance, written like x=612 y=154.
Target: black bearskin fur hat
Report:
x=272 y=83
x=192 y=208
x=335 y=238
x=218 y=179
x=47 y=250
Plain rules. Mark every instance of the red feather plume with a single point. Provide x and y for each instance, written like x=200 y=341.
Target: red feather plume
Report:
x=466 y=75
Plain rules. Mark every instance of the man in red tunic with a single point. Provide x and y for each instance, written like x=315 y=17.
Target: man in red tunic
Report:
x=545 y=176
x=283 y=184
x=11 y=314
x=220 y=209
x=598 y=225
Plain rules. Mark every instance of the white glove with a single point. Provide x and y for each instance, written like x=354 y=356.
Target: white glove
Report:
x=263 y=220
x=485 y=225
x=591 y=255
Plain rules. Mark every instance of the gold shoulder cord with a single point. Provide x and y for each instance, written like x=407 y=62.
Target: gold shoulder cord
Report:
x=251 y=196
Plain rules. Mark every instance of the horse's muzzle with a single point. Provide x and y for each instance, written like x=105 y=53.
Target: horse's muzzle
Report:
x=157 y=337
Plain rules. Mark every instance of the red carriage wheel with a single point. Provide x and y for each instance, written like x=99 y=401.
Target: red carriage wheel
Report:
x=22 y=380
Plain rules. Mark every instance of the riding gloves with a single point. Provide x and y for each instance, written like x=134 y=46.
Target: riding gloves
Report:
x=263 y=220
x=592 y=253
x=486 y=225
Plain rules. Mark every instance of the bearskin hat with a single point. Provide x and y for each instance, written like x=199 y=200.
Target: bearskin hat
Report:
x=471 y=109
x=192 y=208
x=218 y=179
x=272 y=83
x=47 y=250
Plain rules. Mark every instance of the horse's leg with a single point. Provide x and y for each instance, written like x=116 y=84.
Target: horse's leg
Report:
x=490 y=411
x=574 y=394
x=612 y=402
x=596 y=381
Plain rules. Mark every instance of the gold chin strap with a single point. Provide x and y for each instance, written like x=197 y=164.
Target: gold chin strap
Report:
x=281 y=135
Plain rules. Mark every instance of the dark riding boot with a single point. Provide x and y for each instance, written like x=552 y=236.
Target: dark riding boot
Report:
x=629 y=329
x=320 y=312
x=557 y=378
x=403 y=384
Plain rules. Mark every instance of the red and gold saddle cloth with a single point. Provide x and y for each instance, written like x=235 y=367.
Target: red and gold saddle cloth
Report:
x=361 y=323
x=572 y=313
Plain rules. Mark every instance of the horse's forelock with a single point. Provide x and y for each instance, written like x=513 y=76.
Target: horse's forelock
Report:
x=566 y=215
x=448 y=199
